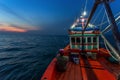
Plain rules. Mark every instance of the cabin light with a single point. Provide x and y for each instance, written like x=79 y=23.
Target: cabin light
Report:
x=91 y=25
x=81 y=16
x=84 y=13
x=83 y=20
x=73 y=26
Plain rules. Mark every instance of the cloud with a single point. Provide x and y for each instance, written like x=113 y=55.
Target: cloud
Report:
x=13 y=28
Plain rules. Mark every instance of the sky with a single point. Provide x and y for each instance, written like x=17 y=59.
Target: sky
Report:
x=43 y=16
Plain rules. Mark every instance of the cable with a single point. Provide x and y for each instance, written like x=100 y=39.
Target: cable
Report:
x=109 y=26
x=85 y=5
x=98 y=15
x=116 y=53
x=109 y=51
x=107 y=21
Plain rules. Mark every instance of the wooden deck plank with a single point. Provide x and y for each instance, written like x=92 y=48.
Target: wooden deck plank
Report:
x=111 y=67
x=61 y=76
x=87 y=70
x=66 y=77
x=71 y=74
x=78 y=73
x=92 y=72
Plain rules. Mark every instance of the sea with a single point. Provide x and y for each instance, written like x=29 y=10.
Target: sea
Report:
x=25 y=57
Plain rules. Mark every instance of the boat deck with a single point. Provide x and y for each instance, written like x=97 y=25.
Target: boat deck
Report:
x=85 y=70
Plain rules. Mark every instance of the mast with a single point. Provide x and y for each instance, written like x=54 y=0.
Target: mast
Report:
x=114 y=26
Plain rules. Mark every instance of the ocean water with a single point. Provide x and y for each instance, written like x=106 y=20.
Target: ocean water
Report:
x=25 y=57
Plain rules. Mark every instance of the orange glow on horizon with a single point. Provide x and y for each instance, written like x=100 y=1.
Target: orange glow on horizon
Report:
x=11 y=29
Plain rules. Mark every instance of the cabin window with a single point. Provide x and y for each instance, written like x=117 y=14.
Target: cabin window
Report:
x=84 y=40
x=94 y=39
x=78 y=40
x=89 y=39
x=73 y=40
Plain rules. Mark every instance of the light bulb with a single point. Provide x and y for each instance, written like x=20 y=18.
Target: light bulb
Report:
x=84 y=13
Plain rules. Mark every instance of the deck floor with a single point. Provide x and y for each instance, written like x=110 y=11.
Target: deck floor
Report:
x=85 y=70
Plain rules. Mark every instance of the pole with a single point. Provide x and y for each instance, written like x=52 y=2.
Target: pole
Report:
x=114 y=26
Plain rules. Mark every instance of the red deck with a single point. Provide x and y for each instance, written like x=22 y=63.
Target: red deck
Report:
x=87 y=69
x=90 y=70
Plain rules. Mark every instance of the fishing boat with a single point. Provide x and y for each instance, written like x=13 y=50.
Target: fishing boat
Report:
x=87 y=60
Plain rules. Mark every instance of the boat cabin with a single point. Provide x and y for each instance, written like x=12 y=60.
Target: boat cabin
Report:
x=85 y=43
x=90 y=41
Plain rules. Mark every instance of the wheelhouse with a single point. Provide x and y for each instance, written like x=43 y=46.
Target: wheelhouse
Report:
x=89 y=41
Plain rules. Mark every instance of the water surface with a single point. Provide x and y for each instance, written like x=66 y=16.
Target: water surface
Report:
x=25 y=57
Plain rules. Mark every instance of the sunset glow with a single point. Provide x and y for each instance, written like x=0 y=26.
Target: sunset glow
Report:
x=11 y=28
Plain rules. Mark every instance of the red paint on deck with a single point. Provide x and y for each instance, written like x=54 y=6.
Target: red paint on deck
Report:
x=50 y=71
x=111 y=67
x=93 y=70
x=87 y=69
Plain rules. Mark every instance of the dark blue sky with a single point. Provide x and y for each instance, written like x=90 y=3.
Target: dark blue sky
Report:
x=44 y=16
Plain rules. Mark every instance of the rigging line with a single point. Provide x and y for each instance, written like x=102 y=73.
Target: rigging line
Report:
x=109 y=51
x=7 y=9
x=98 y=14
x=107 y=16
x=101 y=23
x=81 y=7
x=77 y=17
x=102 y=20
x=81 y=10
x=85 y=5
x=107 y=21
x=114 y=27
x=91 y=14
x=109 y=26
x=117 y=14
x=116 y=53
x=118 y=23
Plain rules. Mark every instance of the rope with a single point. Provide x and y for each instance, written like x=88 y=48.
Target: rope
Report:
x=107 y=16
x=98 y=15
x=109 y=26
x=109 y=51
x=112 y=48
x=107 y=21
x=85 y=5
x=106 y=40
x=102 y=20
x=117 y=14
x=73 y=25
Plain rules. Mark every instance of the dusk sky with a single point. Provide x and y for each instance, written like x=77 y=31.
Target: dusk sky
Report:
x=43 y=16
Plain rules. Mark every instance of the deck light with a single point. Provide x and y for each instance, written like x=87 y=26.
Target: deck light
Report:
x=84 y=13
